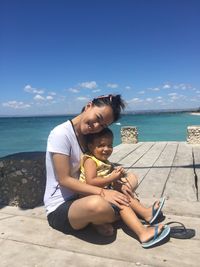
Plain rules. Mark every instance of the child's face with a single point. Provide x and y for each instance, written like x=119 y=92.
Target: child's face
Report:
x=102 y=147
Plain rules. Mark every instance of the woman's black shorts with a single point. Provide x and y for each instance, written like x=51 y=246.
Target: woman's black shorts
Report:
x=58 y=219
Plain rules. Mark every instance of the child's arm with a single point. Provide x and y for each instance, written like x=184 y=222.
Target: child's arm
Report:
x=92 y=178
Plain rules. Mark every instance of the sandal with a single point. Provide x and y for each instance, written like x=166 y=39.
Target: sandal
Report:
x=180 y=231
x=157 y=212
x=158 y=237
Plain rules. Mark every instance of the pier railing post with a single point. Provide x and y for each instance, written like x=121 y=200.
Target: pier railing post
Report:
x=129 y=135
x=193 y=134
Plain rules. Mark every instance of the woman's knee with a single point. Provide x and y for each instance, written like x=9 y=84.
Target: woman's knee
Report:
x=97 y=205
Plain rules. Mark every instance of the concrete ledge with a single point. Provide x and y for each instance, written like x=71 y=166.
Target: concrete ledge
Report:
x=22 y=179
x=129 y=135
x=193 y=134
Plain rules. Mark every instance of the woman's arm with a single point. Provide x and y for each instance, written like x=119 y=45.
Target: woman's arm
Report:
x=62 y=168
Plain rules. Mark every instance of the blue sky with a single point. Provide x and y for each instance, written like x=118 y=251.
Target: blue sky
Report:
x=56 y=55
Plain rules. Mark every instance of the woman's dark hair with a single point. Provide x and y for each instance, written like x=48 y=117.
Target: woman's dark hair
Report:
x=105 y=132
x=114 y=101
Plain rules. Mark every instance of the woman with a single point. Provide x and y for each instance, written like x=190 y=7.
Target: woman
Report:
x=65 y=145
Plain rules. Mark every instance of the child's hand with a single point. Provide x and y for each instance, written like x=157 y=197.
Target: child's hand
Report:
x=121 y=170
x=117 y=173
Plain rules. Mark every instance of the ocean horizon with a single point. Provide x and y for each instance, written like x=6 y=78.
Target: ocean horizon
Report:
x=30 y=133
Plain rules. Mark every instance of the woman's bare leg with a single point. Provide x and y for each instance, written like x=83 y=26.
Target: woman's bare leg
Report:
x=90 y=209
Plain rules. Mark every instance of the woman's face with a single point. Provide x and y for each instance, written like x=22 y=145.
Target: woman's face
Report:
x=94 y=118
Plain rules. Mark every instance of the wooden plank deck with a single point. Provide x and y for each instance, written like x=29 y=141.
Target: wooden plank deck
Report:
x=163 y=168
x=170 y=169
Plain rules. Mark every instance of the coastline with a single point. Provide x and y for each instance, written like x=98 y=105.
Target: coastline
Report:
x=195 y=113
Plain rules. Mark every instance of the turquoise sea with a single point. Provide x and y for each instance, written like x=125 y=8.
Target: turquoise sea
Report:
x=21 y=134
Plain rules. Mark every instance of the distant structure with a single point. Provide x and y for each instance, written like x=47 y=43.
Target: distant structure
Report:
x=193 y=134
x=129 y=135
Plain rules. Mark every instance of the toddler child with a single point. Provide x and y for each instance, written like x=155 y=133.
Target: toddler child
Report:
x=97 y=170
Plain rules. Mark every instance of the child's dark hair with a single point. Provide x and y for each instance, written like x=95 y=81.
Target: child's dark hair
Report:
x=105 y=132
x=114 y=101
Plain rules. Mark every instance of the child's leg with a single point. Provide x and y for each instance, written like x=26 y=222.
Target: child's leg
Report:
x=130 y=219
x=132 y=179
x=144 y=212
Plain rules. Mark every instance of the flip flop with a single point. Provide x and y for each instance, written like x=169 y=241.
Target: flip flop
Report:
x=156 y=212
x=158 y=237
x=180 y=231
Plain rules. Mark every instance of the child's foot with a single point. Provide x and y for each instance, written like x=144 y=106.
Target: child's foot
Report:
x=105 y=229
x=160 y=233
x=148 y=215
x=149 y=233
x=154 y=211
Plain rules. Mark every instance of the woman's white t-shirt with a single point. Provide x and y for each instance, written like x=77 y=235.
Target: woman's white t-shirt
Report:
x=62 y=140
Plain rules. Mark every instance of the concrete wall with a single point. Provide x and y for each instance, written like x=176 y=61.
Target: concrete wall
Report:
x=193 y=134
x=22 y=179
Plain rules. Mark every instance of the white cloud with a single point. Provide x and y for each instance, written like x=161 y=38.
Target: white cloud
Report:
x=39 y=98
x=183 y=86
x=73 y=90
x=96 y=90
x=52 y=93
x=160 y=101
x=149 y=99
x=166 y=86
x=128 y=87
x=29 y=89
x=155 y=89
x=173 y=94
x=89 y=85
x=141 y=92
x=49 y=97
x=112 y=85
x=134 y=100
x=16 y=104
x=82 y=98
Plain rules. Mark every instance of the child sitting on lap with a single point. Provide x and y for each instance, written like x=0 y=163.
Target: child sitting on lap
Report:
x=97 y=170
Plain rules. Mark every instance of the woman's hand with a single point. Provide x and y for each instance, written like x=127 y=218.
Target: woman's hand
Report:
x=126 y=187
x=127 y=190
x=115 y=197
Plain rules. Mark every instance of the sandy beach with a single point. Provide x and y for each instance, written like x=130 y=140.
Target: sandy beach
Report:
x=195 y=113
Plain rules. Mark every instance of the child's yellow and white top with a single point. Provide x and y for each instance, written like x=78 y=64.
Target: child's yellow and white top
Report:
x=103 y=168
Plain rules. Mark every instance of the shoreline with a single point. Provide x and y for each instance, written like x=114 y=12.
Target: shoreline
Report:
x=195 y=113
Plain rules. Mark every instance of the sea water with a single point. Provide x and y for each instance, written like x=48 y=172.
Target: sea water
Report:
x=21 y=134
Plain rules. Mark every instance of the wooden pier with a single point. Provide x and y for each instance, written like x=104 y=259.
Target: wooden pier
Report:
x=170 y=169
